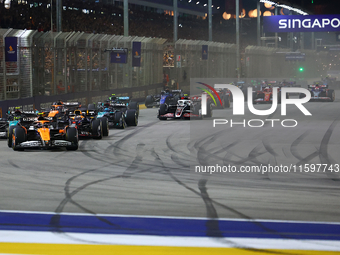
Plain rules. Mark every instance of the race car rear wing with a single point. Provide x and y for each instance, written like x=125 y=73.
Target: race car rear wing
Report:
x=73 y=104
x=320 y=86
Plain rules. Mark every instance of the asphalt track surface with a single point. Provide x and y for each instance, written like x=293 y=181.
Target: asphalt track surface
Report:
x=145 y=170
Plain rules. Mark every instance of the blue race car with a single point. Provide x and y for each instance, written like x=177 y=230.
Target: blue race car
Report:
x=320 y=92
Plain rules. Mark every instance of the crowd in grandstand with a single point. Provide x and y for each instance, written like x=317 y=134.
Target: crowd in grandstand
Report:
x=91 y=17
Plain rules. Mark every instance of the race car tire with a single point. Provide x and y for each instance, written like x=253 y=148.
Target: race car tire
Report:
x=131 y=118
x=20 y=137
x=279 y=98
x=105 y=126
x=97 y=129
x=91 y=107
x=120 y=120
x=331 y=95
x=72 y=136
x=134 y=106
x=149 y=102
x=226 y=101
x=301 y=95
x=209 y=110
x=162 y=109
x=245 y=93
x=9 y=136
x=254 y=97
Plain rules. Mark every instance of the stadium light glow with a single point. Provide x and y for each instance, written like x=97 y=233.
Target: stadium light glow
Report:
x=285 y=6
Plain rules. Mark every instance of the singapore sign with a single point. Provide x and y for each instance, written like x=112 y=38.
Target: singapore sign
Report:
x=301 y=23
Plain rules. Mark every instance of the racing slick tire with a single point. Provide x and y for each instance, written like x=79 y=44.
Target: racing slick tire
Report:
x=254 y=97
x=20 y=137
x=149 y=102
x=105 y=126
x=162 y=109
x=131 y=118
x=226 y=101
x=97 y=130
x=134 y=106
x=9 y=136
x=301 y=95
x=209 y=110
x=331 y=95
x=72 y=136
x=91 y=107
x=120 y=120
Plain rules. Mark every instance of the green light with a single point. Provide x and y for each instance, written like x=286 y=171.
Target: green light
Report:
x=301 y=69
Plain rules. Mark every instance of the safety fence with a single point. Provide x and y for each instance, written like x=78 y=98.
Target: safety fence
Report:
x=68 y=62
x=56 y=64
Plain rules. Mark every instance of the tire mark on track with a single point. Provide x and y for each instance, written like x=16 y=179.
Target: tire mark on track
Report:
x=213 y=229
x=135 y=163
x=293 y=148
x=324 y=156
x=13 y=164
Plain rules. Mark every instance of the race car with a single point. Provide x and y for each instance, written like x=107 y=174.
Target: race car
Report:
x=155 y=101
x=37 y=132
x=3 y=128
x=221 y=98
x=12 y=119
x=320 y=92
x=87 y=124
x=121 y=101
x=58 y=113
x=184 y=108
x=265 y=95
x=243 y=86
x=152 y=101
x=119 y=111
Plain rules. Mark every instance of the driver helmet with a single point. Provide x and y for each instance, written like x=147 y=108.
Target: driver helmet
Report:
x=77 y=112
x=113 y=97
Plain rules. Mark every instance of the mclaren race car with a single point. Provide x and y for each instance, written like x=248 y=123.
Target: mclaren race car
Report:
x=38 y=132
x=320 y=92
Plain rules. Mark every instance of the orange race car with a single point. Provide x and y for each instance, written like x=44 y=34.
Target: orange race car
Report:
x=39 y=132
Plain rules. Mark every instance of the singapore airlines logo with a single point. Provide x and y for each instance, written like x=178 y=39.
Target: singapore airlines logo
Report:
x=11 y=50
x=136 y=55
